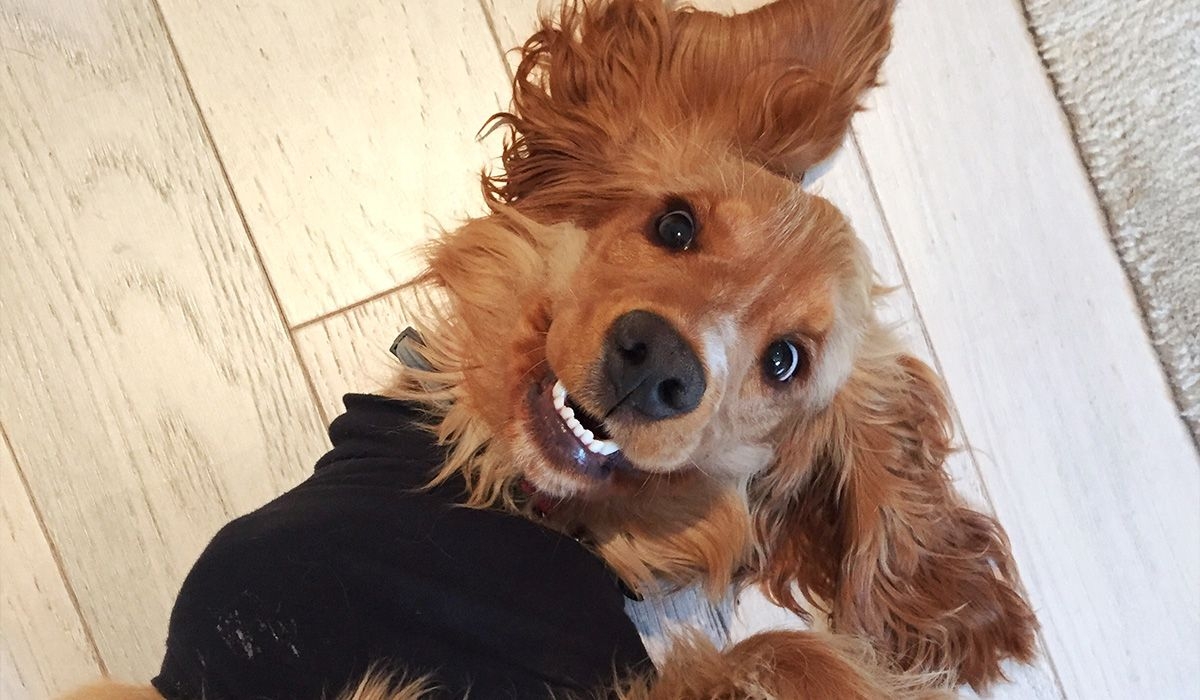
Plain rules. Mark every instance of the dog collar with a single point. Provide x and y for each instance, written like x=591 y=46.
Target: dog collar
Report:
x=540 y=503
x=407 y=348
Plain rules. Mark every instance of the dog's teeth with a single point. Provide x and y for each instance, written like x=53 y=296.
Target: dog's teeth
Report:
x=588 y=438
x=601 y=447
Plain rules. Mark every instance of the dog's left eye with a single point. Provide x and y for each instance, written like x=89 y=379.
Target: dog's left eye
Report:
x=782 y=361
x=676 y=229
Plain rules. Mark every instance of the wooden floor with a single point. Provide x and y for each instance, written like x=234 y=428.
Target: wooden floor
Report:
x=206 y=206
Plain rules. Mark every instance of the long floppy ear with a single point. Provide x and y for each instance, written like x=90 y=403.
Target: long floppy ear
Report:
x=860 y=516
x=788 y=76
x=778 y=85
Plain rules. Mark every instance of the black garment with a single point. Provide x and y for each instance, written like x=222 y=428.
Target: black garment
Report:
x=355 y=567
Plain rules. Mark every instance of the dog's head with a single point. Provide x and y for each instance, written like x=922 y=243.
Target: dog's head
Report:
x=659 y=329
x=701 y=298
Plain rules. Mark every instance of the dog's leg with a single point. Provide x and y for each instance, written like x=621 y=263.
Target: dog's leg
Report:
x=781 y=666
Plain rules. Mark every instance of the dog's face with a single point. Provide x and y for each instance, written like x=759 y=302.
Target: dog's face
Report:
x=682 y=329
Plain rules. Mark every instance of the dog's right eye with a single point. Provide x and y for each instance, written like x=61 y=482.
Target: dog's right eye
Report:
x=782 y=361
x=676 y=229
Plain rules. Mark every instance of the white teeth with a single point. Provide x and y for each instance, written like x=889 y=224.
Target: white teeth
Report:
x=588 y=438
x=595 y=445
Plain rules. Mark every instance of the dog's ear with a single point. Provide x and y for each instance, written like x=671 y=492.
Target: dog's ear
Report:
x=860 y=516
x=778 y=84
x=581 y=79
x=787 y=76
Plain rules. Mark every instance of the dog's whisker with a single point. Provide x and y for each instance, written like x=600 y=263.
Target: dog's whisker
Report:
x=642 y=487
x=702 y=470
x=536 y=366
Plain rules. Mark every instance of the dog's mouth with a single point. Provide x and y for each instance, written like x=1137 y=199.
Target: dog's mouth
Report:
x=572 y=438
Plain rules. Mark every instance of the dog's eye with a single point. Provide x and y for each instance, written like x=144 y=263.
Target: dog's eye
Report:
x=782 y=361
x=676 y=229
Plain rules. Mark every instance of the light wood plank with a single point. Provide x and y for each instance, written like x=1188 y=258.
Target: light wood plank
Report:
x=347 y=129
x=44 y=650
x=150 y=388
x=1085 y=458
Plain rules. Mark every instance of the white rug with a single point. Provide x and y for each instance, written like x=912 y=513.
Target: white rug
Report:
x=1128 y=74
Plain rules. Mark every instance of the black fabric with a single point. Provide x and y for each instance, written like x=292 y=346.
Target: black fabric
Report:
x=355 y=566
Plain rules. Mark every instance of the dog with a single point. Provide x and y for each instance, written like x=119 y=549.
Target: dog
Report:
x=658 y=344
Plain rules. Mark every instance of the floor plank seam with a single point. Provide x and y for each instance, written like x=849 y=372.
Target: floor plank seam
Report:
x=937 y=363
x=491 y=25
x=920 y=319
x=55 y=554
x=350 y=307
x=241 y=214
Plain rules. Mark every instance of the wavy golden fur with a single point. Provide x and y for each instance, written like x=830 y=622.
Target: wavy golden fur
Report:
x=830 y=489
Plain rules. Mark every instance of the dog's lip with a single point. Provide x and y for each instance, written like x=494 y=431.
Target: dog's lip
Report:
x=562 y=448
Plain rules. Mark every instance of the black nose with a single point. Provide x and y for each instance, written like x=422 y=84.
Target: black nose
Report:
x=651 y=369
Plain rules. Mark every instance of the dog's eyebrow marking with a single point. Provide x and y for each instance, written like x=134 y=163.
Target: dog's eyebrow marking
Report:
x=835 y=358
x=716 y=340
